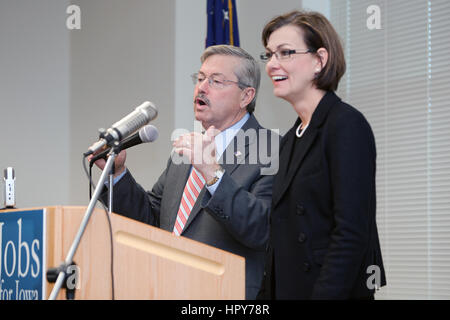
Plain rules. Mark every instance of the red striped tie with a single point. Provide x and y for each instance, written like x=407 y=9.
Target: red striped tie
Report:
x=191 y=191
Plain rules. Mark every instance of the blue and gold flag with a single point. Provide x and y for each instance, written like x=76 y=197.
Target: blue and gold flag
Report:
x=222 y=23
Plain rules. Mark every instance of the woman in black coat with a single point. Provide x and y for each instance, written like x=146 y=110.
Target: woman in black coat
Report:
x=324 y=239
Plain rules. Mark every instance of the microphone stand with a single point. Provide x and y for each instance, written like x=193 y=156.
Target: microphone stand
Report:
x=111 y=185
x=68 y=261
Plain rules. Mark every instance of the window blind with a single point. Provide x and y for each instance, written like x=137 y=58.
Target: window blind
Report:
x=398 y=76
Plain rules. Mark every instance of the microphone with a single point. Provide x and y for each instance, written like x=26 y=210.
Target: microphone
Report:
x=146 y=134
x=142 y=115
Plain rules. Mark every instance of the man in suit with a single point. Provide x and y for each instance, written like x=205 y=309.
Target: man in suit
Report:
x=211 y=190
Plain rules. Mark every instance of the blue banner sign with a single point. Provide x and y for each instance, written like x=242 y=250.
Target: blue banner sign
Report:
x=22 y=255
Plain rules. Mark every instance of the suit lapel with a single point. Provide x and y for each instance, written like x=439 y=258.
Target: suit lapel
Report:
x=296 y=156
x=292 y=158
x=195 y=210
x=286 y=149
x=239 y=148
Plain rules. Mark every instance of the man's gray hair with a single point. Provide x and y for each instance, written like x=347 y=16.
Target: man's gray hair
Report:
x=248 y=72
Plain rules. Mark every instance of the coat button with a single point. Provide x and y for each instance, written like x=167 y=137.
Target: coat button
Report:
x=301 y=237
x=306 y=267
x=300 y=210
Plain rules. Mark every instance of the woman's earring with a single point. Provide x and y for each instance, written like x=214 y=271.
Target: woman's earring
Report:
x=316 y=74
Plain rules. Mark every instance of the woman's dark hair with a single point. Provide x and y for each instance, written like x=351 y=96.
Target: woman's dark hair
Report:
x=318 y=33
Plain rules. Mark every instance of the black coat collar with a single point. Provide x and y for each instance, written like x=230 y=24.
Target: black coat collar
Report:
x=319 y=116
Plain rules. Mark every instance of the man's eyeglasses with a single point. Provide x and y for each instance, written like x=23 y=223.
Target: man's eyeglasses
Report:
x=217 y=81
x=281 y=54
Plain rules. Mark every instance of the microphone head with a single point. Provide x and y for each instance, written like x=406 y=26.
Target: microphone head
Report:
x=9 y=173
x=149 y=133
x=148 y=108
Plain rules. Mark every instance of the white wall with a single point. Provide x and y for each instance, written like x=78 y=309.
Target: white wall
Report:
x=34 y=99
x=122 y=56
x=190 y=35
x=322 y=6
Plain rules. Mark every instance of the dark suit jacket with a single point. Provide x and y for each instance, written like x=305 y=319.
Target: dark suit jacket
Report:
x=235 y=218
x=323 y=228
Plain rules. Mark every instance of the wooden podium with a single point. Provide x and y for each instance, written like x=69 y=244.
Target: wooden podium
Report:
x=149 y=263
